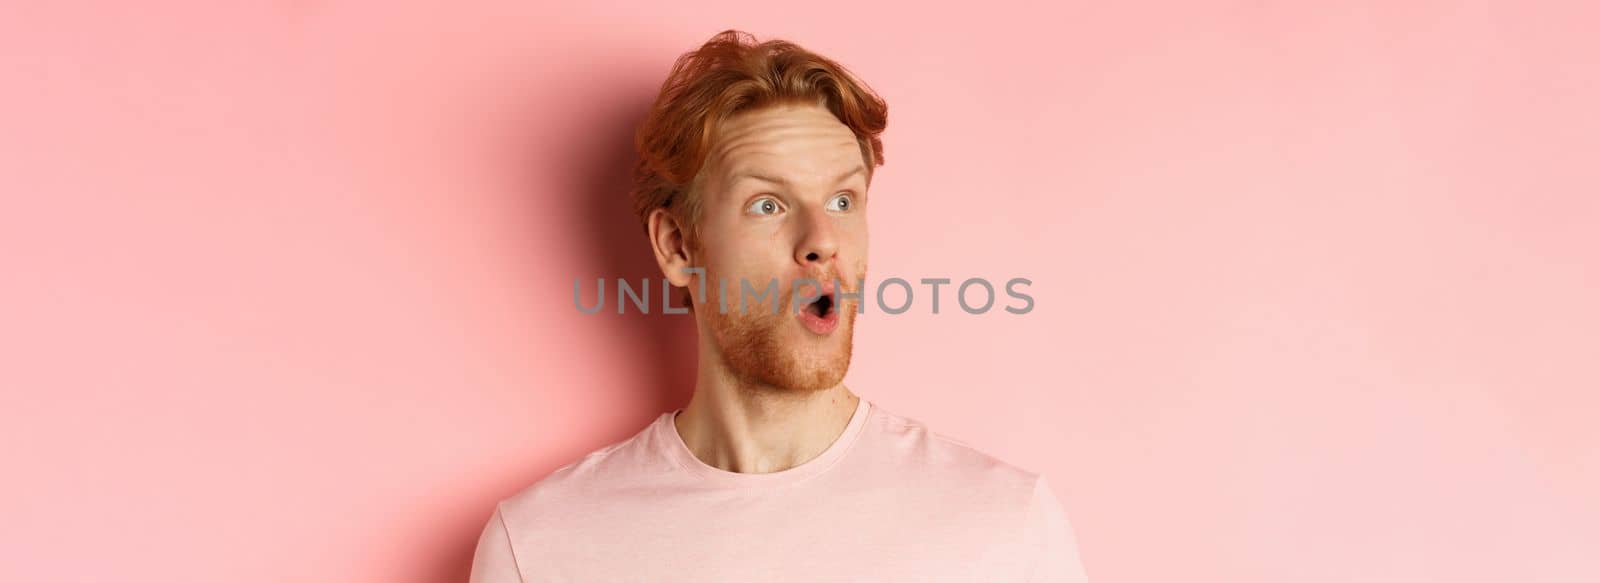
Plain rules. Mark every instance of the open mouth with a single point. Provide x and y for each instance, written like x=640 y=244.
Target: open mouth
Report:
x=821 y=315
x=822 y=307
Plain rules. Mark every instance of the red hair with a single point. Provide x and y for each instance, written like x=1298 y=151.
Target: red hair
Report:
x=729 y=74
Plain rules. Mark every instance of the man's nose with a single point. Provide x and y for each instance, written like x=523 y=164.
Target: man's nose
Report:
x=818 y=242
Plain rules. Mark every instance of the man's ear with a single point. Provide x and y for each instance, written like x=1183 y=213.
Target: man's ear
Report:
x=670 y=246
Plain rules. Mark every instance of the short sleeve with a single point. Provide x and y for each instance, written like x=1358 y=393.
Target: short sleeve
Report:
x=1055 y=545
x=495 y=561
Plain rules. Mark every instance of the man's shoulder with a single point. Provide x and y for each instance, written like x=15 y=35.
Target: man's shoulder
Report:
x=612 y=467
x=948 y=459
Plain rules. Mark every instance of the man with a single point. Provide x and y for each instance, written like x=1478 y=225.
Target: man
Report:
x=755 y=163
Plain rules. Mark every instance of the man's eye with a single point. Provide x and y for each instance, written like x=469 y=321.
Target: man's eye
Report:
x=841 y=203
x=765 y=206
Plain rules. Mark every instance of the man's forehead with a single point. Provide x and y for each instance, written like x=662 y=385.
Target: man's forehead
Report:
x=792 y=141
x=766 y=163
x=797 y=118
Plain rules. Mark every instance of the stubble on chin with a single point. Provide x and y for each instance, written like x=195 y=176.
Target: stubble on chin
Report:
x=755 y=353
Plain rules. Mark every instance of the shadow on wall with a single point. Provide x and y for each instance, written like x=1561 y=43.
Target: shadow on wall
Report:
x=594 y=168
x=663 y=344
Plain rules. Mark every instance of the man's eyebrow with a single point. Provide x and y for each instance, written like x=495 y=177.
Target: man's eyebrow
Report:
x=758 y=176
x=852 y=172
x=778 y=180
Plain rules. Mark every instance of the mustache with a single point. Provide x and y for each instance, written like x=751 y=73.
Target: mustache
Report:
x=838 y=281
x=789 y=285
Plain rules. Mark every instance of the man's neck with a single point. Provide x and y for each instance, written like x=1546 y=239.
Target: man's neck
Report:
x=760 y=430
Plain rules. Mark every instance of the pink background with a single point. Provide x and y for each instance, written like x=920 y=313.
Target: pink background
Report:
x=287 y=286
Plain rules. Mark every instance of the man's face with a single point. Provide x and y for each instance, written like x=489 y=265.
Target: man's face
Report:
x=783 y=198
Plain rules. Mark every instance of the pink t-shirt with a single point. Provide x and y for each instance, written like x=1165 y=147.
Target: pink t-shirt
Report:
x=889 y=500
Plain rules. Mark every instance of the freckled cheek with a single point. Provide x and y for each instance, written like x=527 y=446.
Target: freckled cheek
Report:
x=752 y=259
x=731 y=244
x=854 y=243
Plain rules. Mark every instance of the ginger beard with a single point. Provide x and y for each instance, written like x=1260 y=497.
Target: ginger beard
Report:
x=759 y=347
